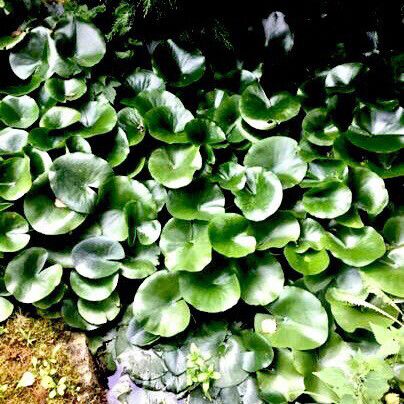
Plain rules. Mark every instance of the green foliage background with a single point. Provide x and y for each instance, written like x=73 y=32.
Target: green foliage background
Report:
x=218 y=237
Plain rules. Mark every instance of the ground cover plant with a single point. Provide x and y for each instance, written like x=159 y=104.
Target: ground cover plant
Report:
x=218 y=240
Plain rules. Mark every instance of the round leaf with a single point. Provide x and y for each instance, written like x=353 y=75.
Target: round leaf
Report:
x=158 y=305
x=19 y=112
x=99 y=312
x=299 y=326
x=276 y=231
x=329 y=201
x=261 y=280
x=27 y=279
x=370 y=193
x=309 y=262
x=15 y=178
x=13 y=229
x=211 y=291
x=185 y=245
x=175 y=166
x=279 y=155
x=93 y=290
x=199 y=201
x=12 y=140
x=46 y=214
x=231 y=235
x=59 y=118
x=6 y=309
x=261 y=195
x=356 y=247
x=95 y=257
x=176 y=65
x=73 y=176
x=65 y=90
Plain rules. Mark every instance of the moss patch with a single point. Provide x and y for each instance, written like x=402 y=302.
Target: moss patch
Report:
x=42 y=362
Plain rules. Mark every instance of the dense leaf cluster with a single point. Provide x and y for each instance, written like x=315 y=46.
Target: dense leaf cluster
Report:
x=263 y=231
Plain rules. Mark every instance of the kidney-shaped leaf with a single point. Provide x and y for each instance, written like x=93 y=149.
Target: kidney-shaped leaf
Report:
x=46 y=214
x=158 y=305
x=176 y=65
x=261 y=279
x=27 y=279
x=15 y=178
x=279 y=155
x=211 y=291
x=73 y=176
x=96 y=257
x=356 y=247
x=99 y=312
x=59 y=118
x=18 y=112
x=185 y=245
x=199 y=201
x=231 y=235
x=6 y=309
x=261 y=195
x=65 y=90
x=13 y=229
x=175 y=166
x=300 y=321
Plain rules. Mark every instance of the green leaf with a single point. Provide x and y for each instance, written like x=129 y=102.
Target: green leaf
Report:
x=59 y=118
x=141 y=263
x=393 y=230
x=230 y=176
x=175 y=166
x=213 y=290
x=310 y=262
x=15 y=178
x=167 y=123
x=72 y=317
x=342 y=78
x=66 y=90
x=262 y=112
x=261 y=195
x=176 y=65
x=328 y=201
x=369 y=191
x=230 y=362
x=144 y=80
x=276 y=231
x=72 y=178
x=185 y=245
x=27 y=279
x=12 y=140
x=357 y=247
x=204 y=131
x=97 y=117
x=158 y=305
x=231 y=235
x=18 y=112
x=96 y=257
x=148 y=232
x=261 y=279
x=37 y=55
x=257 y=353
x=13 y=229
x=6 y=309
x=46 y=214
x=84 y=40
x=93 y=290
x=284 y=383
x=279 y=155
x=131 y=123
x=299 y=326
x=318 y=127
x=199 y=201
x=99 y=312
x=387 y=272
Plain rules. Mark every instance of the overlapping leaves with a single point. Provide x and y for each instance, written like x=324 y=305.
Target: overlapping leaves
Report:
x=272 y=206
